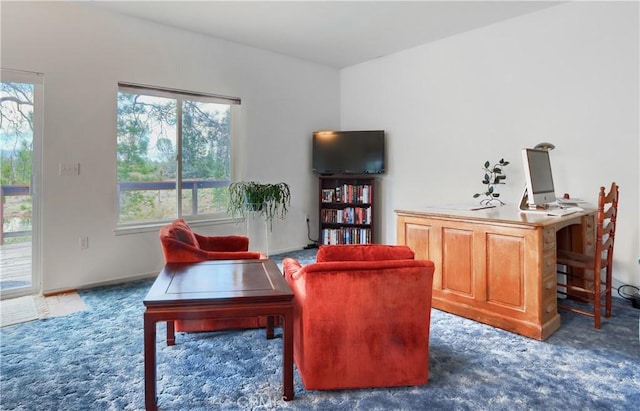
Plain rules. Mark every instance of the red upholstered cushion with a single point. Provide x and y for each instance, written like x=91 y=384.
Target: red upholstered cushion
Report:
x=223 y=243
x=180 y=222
x=181 y=231
x=368 y=252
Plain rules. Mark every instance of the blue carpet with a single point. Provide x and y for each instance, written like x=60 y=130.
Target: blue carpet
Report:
x=93 y=360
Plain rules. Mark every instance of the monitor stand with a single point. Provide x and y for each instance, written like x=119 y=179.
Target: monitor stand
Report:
x=548 y=209
x=525 y=206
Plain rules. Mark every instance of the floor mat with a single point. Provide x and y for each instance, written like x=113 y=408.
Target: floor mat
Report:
x=18 y=310
x=29 y=308
x=61 y=304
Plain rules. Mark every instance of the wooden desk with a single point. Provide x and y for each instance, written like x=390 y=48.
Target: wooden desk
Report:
x=217 y=289
x=496 y=266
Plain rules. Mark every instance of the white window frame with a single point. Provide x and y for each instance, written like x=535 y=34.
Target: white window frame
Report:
x=179 y=95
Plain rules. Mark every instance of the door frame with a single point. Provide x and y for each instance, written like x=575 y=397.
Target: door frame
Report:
x=37 y=79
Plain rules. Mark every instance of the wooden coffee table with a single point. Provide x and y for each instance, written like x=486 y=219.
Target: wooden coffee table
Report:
x=217 y=289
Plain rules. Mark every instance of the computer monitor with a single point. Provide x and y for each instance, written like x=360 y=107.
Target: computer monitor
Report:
x=539 y=178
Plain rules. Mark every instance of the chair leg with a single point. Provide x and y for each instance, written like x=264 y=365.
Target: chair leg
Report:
x=596 y=299
x=607 y=296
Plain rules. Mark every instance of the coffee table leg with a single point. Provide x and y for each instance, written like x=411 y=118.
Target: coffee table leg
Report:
x=287 y=355
x=270 y=327
x=149 y=363
x=171 y=333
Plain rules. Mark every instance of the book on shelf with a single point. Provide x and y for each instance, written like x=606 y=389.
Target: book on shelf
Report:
x=346 y=235
x=348 y=215
x=354 y=193
x=347 y=193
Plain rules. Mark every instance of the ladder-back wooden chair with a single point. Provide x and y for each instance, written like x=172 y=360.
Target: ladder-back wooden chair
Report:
x=589 y=277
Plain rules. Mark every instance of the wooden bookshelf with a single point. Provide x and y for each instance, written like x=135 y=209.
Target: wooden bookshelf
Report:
x=346 y=210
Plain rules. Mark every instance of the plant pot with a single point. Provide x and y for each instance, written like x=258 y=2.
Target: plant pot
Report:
x=259 y=233
x=632 y=295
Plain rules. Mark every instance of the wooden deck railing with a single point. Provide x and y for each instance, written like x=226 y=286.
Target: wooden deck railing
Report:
x=193 y=185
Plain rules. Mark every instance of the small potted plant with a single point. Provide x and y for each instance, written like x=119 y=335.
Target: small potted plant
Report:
x=493 y=175
x=268 y=200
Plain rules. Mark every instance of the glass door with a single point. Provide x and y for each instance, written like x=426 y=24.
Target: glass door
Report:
x=20 y=151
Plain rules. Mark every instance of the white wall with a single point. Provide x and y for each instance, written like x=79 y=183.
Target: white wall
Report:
x=83 y=53
x=567 y=74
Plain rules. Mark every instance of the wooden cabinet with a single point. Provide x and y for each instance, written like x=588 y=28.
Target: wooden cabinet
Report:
x=346 y=210
x=497 y=267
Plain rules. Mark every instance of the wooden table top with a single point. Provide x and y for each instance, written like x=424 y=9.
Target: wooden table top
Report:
x=218 y=283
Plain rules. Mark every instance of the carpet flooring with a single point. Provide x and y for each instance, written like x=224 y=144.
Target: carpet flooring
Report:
x=93 y=360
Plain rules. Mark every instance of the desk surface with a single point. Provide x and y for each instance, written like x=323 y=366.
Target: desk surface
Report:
x=508 y=214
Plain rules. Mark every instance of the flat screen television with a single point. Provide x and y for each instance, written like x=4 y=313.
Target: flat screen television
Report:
x=348 y=152
x=539 y=178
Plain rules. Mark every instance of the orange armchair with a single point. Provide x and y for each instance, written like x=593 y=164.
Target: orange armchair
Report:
x=181 y=245
x=361 y=317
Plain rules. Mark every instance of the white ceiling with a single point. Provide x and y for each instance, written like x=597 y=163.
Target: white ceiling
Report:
x=333 y=33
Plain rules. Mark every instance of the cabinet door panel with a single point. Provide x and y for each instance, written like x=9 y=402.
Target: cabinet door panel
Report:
x=457 y=261
x=505 y=270
x=417 y=238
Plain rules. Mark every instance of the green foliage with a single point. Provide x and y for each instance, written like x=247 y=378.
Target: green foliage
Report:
x=147 y=150
x=269 y=200
x=17 y=165
x=493 y=175
x=138 y=206
x=205 y=138
x=16 y=133
x=137 y=120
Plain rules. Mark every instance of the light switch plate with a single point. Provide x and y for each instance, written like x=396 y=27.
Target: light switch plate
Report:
x=69 y=169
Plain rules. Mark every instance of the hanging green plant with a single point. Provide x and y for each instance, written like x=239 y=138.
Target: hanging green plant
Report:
x=268 y=200
x=493 y=175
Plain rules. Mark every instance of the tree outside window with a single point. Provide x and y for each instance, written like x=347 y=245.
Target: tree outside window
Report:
x=170 y=143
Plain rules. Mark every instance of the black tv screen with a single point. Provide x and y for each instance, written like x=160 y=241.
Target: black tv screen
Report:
x=348 y=152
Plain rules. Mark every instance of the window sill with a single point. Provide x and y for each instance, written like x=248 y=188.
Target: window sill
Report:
x=154 y=227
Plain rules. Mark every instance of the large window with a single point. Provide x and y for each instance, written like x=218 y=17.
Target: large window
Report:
x=174 y=154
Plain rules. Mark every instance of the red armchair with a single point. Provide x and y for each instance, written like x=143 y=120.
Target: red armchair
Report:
x=361 y=317
x=181 y=245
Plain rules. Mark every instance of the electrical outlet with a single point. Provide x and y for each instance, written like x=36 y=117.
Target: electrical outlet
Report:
x=84 y=242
